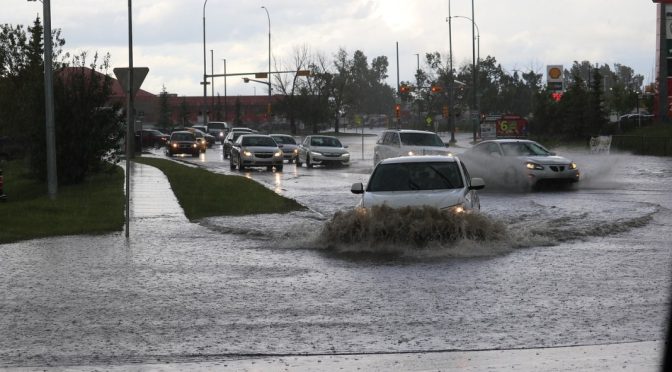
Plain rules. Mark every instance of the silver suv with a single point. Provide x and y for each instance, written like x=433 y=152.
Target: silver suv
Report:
x=406 y=142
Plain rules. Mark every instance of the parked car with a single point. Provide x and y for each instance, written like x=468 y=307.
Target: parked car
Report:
x=437 y=181
x=218 y=129
x=322 y=150
x=290 y=148
x=406 y=142
x=152 y=138
x=229 y=140
x=3 y=197
x=518 y=163
x=255 y=150
x=182 y=142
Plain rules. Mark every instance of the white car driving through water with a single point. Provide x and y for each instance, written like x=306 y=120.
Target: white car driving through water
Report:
x=436 y=181
x=519 y=163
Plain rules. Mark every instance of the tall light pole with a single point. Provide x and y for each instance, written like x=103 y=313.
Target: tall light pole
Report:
x=269 y=62
x=52 y=178
x=478 y=38
x=475 y=68
x=205 y=73
x=451 y=96
x=225 y=105
x=212 y=81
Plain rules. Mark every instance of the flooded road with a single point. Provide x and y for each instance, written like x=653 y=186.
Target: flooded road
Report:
x=585 y=266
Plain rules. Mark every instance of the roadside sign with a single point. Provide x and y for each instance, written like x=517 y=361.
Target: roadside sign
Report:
x=429 y=120
x=139 y=74
x=261 y=75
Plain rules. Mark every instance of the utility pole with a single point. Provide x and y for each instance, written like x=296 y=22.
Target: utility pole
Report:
x=398 y=86
x=52 y=178
x=451 y=94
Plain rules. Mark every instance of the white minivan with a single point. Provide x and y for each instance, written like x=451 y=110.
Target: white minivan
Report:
x=406 y=142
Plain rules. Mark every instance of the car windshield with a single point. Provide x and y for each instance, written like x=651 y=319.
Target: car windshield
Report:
x=285 y=140
x=421 y=139
x=325 y=142
x=182 y=137
x=258 y=141
x=523 y=148
x=415 y=176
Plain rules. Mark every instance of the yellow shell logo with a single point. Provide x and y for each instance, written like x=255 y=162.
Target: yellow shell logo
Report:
x=554 y=72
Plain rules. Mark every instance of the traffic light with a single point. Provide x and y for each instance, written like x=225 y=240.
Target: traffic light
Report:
x=403 y=89
x=397 y=111
x=436 y=89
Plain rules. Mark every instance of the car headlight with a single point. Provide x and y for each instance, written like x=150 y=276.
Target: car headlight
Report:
x=296 y=151
x=247 y=153
x=531 y=165
x=315 y=153
x=572 y=165
x=221 y=134
x=195 y=145
x=346 y=155
x=278 y=154
x=456 y=209
x=174 y=145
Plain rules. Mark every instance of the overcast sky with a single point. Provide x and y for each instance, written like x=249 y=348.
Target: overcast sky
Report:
x=520 y=34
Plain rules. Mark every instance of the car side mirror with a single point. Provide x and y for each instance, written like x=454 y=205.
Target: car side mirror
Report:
x=357 y=188
x=477 y=184
x=446 y=144
x=280 y=145
x=552 y=153
x=346 y=146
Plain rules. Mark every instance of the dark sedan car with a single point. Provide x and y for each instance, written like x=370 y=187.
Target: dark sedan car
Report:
x=228 y=142
x=152 y=138
x=183 y=142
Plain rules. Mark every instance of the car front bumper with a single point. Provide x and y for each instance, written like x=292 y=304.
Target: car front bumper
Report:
x=329 y=159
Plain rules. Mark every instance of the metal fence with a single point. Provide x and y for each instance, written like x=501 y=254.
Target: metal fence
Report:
x=643 y=145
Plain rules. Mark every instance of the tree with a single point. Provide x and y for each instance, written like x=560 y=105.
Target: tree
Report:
x=164 y=121
x=184 y=112
x=289 y=85
x=88 y=130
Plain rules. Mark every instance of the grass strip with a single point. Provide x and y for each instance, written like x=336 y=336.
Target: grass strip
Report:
x=205 y=194
x=93 y=207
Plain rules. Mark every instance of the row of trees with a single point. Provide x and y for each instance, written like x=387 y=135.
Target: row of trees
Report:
x=87 y=128
x=349 y=85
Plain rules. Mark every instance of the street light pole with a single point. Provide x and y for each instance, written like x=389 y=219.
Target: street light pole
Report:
x=52 y=179
x=474 y=67
x=451 y=97
x=205 y=73
x=225 y=105
x=269 y=62
x=212 y=81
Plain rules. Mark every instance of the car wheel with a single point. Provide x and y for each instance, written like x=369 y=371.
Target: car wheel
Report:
x=241 y=167
x=308 y=163
x=232 y=166
x=278 y=168
x=157 y=145
x=269 y=168
x=298 y=162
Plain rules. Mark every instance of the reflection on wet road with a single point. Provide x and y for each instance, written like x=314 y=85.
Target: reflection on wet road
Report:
x=584 y=266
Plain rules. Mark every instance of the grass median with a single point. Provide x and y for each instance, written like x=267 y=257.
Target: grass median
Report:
x=205 y=194
x=93 y=207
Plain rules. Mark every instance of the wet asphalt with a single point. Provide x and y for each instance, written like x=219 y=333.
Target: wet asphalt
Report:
x=261 y=293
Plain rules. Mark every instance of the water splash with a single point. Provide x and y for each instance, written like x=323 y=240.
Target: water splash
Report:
x=423 y=231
